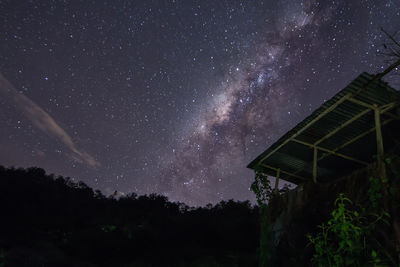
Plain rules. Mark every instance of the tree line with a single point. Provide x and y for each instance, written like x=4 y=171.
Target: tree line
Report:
x=54 y=221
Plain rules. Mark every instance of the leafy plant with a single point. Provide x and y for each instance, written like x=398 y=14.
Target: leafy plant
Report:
x=343 y=240
x=2 y=257
x=263 y=191
x=375 y=192
x=262 y=188
x=108 y=228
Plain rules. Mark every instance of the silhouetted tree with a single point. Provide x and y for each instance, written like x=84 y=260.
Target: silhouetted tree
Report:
x=54 y=221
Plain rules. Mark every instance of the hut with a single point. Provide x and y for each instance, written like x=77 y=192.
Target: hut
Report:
x=335 y=149
x=346 y=133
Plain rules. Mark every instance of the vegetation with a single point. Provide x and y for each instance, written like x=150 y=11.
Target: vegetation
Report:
x=267 y=199
x=263 y=191
x=359 y=238
x=359 y=228
x=346 y=239
x=54 y=221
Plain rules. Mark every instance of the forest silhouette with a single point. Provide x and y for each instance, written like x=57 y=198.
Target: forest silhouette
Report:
x=54 y=221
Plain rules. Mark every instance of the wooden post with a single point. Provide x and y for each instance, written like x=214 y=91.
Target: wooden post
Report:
x=278 y=172
x=315 y=164
x=381 y=159
x=379 y=144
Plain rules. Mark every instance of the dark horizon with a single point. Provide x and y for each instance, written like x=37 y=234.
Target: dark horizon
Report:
x=174 y=98
x=53 y=221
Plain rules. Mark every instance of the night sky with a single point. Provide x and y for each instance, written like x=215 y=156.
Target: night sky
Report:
x=173 y=97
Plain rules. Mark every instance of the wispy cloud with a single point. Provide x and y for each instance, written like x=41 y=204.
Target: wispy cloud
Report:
x=44 y=122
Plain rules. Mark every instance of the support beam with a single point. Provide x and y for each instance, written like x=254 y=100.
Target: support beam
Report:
x=359 y=115
x=379 y=138
x=379 y=144
x=278 y=172
x=388 y=69
x=329 y=109
x=315 y=164
x=342 y=146
x=385 y=108
x=361 y=103
x=394 y=117
x=282 y=171
x=350 y=95
x=355 y=139
x=381 y=160
x=322 y=114
x=378 y=76
x=348 y=143
x=331 y=152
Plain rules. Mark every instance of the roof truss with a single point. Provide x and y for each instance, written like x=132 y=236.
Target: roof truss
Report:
x=379 y=121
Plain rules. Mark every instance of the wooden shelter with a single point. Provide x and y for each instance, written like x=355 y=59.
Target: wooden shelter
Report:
x=348 y=132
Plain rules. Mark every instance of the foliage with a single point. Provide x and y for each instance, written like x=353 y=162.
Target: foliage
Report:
x=2 y=257
x=108 y=228
x=261 y=188
x=343 y=241
x=363 y=236
x=394 y=188
x=264 y=193
x=340 y=241
x=375 y=192
x=55 y=221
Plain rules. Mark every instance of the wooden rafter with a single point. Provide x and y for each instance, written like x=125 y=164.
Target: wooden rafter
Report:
x=315 y=159
x=346 y=144
x=337 y=148
x=351 y=96
x=330 y=151
x=379 y=144
x=361 y=103
x=385 y=108
x=348 y=96
x=359 y=115
x=308 y=125
x=283 y=171
x=278 y=172
x=355 y=139
x=392 y=116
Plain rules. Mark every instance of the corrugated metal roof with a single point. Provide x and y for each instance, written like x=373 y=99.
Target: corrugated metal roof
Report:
x=293 y=155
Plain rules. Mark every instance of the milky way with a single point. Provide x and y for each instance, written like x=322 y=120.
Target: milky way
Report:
x=174 y=97
x=250 y=105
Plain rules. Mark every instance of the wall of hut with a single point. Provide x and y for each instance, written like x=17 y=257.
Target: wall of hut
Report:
x=294 y=214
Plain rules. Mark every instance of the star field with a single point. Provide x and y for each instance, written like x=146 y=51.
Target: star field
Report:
x=173 y=97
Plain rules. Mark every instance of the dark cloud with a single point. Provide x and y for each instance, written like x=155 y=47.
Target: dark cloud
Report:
x=45 y=123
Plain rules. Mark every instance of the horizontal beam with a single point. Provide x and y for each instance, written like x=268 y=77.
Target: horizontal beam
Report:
x=349 y=95
x=392 y=116
x=309 y=124
x=283 y=171
x=355 y=138
x=359 y=115
x=378 y=76
x=315 y=159
x=383 y=108
x=387 y=107
x=361 y=103
x=330 y=152
x=336 y=149
x=278 y=172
